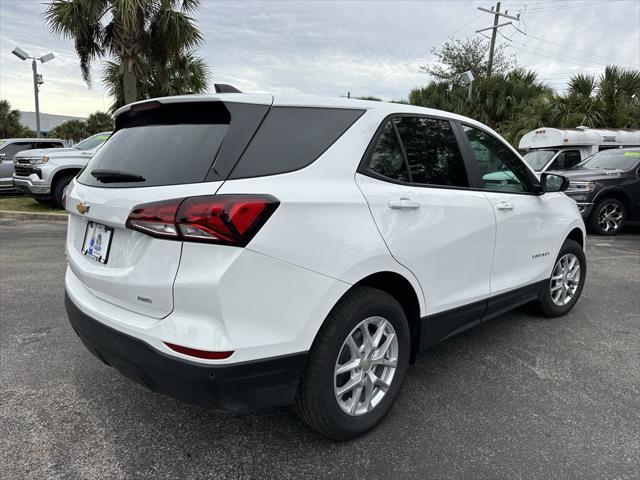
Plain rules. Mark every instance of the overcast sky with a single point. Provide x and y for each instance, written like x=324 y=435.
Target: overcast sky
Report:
x=332 y=47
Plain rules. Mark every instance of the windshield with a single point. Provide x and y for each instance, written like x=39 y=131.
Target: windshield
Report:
x=537 y=159
x=92 y=142
x=612 y=160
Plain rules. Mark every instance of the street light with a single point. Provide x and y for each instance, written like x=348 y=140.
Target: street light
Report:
x=37 y=79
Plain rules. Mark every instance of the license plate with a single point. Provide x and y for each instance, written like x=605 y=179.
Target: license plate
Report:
x=97 y=241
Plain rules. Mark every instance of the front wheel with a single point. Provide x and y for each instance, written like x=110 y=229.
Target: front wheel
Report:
x=567 y=280
x=356 y=365
x=607 y=217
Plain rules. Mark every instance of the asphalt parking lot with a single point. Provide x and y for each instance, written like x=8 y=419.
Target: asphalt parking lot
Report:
x=520 y=397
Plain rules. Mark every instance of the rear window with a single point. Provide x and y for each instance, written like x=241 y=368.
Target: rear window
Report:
x=156 y=155
x=291 y=138
x=160 y=145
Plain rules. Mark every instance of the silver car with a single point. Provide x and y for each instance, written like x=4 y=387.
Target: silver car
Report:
x=10 y=146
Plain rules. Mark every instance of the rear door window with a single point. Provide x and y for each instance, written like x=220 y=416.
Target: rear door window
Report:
x=386 y=158
x=291 y=138
x=432 y=151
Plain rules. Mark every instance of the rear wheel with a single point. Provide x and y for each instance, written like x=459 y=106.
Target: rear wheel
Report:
x=58 y=189
x=356 y=365
x=567 y=280
x=607 y=217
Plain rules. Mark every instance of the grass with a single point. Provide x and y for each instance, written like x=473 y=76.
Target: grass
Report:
x=27 y=204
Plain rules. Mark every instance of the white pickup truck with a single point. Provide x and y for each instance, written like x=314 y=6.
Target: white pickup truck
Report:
x=44 y=173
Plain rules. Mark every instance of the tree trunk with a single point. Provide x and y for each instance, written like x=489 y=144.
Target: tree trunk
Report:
x=129 y=81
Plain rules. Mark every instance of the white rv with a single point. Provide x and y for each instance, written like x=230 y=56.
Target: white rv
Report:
x=558 y=149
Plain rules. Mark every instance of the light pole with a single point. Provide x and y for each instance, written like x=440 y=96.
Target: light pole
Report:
x=37 y=79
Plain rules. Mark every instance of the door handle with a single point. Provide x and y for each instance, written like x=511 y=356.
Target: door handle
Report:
x=403 y=203
x=504 y=205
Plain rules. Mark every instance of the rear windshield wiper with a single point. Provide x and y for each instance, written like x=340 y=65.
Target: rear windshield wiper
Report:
x=112 y=176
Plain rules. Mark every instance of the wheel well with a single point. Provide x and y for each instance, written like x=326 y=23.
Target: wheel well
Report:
x=621 y=196
x=399 y=287
x=63 y=173
x=576 y=235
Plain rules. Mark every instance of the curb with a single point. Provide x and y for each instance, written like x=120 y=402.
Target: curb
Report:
x=14 y=215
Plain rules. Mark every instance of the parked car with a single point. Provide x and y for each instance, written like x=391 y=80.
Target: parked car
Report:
x=45 y=173
x=559 y=149
x=606 y=187
x=245 y=251
x=10 y=146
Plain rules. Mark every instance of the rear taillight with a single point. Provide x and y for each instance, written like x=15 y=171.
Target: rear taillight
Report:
x=222 y=219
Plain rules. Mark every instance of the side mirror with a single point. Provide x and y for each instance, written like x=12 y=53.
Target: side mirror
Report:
x=550 y=182
x=3 y=156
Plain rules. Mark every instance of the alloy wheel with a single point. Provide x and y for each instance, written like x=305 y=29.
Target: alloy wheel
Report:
x=565 y=279
x=610 y=217
x=366 y=365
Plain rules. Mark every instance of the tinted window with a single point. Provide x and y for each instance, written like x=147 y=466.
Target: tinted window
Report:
x=160 y=154
x=566 y=159
x=11 y=149
x=612 y=160
x=500 y=168
x=432 y=151
x=291 y=138
x=386 y=157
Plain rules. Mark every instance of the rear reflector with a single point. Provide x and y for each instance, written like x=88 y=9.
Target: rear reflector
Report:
x=192 y=352
x=223 y=219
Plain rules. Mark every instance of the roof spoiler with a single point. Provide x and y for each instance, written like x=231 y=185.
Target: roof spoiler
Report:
x=224 y=88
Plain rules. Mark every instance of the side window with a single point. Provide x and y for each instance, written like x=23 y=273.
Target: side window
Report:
x=13 y=148
x=500 y=168
x=432 y=151
x=386 y=158
x=565 y=159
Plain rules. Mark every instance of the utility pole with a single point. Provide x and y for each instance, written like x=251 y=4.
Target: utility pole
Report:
x=495 y=27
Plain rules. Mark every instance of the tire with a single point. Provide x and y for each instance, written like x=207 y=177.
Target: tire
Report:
x=316 y=401
x=550 y=303
x=607 y=217
x=58 y=189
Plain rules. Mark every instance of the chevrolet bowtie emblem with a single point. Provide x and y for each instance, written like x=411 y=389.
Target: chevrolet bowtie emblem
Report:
x=82 y=207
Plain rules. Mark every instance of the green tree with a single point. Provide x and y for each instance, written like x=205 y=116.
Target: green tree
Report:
x=135 y=34
x=186 y=74
x=99 y=122
x=72 y=130
x=458 y=56
x=10 y=125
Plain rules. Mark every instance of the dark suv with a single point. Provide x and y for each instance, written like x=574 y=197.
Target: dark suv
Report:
x=606 y=187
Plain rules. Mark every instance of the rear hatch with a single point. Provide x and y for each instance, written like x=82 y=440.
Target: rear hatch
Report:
x=162 y=149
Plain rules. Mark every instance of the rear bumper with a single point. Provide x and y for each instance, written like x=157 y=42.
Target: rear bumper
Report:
x=254 y=384
x=31 y=185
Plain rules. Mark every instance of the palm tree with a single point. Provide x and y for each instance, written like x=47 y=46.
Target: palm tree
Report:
x=99 y=122
x=10 y=125
x=186 y=74
x=135 y=33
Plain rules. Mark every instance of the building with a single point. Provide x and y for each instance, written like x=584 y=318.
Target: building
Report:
x=47 y=120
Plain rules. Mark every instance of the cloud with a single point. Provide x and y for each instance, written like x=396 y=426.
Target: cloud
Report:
x=333 y=47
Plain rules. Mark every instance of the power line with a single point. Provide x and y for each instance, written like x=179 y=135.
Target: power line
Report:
x=568 y=48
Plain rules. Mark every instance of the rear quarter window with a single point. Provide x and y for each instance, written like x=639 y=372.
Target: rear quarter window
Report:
x=291 y=138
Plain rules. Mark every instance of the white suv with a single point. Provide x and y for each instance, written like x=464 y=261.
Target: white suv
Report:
x=248 y=251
